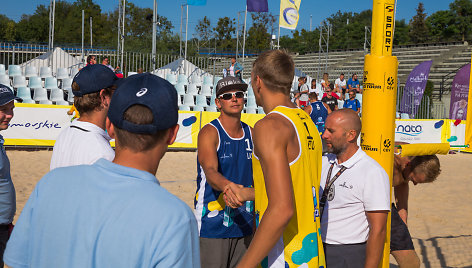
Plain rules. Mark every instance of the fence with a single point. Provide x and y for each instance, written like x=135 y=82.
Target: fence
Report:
x=427 y=109
x=22 y=54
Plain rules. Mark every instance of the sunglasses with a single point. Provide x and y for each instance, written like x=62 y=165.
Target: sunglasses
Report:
x=229 y=95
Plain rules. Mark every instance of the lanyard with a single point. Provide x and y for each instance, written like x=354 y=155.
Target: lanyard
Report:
x=328 y=185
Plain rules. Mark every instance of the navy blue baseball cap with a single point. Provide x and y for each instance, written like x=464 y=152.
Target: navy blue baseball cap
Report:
x=93 y=78
x=6 y=95
x=148 y=90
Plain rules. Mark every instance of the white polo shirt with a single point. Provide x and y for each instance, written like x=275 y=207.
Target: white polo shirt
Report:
x=363 y=186
x=340 y=83
x=82 y=143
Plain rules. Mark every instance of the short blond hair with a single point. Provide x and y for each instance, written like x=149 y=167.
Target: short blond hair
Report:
x=428 y=165
x=276 y=69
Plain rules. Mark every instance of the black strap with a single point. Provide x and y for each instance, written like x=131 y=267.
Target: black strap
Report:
x=79 y=128
x=328 y=184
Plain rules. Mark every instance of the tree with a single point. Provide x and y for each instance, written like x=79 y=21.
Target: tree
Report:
x=203 y=29
x=418 y=30
x=462 y=10
x=401 y=36
x=224 y=32
x=258 y=35
x=7 y=28
x=442 y=26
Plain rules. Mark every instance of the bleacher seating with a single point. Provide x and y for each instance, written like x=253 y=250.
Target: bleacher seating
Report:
x=201 y=100
x=171 y=79
x=45 y=72
x=192 y=89
x=188 y=100
x=4 y=79
x=180 y=88
x=14 y=70
x=206 y=90
x=50 y=83
x=2 y=69
x=182 y=79
x=24 y=93
x=19 y=81
x=56 y=95
x=30 y=71
x=35 y=82
x=40 y=94
x=62 y=73
x=66 y=83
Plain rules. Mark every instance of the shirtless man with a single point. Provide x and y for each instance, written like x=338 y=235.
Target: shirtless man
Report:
x=417 y=169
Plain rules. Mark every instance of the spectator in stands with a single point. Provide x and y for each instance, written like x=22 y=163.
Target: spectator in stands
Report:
x=91 y=60
x=304 y=90
x=330 y=100
x=340 y=86
x=106 y=62
x=7 y=190
x=325 y=82
x=316 y=88
x=318 y=111
x=85 y=140
x=352 y=102
x=296 y=97
x=235 y=69
x=353 y=83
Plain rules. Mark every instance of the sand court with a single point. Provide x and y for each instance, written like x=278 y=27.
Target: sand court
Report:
x=440 y=213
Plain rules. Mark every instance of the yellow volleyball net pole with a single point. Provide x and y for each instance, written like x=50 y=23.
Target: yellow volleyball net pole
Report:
x=468 y=122
x=379 y=97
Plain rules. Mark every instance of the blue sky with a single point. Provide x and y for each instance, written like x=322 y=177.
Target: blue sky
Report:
x=319 y=10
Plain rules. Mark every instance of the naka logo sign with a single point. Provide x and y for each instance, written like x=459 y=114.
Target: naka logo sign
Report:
x=410 y=130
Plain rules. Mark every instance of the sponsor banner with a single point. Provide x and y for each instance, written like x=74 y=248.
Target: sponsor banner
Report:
x=389 y=23
x=189 y=126
x=39 y=125
x=257 y=6
x=249 y=119
x=36 y=124
x=459 y=94
x=421 y=131
x=289 y=15
x=414 y=88
x=456 y=135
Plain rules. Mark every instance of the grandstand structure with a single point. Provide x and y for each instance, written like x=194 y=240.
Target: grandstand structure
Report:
x=40 y=75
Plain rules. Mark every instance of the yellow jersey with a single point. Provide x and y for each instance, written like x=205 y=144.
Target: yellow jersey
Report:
x=300 y=244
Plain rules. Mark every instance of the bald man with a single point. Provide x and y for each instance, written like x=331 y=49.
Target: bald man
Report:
x=355 y=196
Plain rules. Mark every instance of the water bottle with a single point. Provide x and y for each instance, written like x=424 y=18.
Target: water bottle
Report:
x=228 y=217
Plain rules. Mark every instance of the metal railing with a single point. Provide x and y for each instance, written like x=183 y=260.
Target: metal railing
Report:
x=427 y=109
x=23 y=54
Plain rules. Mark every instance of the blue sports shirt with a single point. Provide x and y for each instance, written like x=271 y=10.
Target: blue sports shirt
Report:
x=235 y=164
x=7 y=190
x=318 y=115
x=103 y=215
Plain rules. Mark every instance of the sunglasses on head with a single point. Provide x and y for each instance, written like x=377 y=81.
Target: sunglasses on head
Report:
x=229 y=95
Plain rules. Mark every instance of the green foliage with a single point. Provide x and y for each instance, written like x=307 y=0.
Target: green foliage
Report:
x=203 y=29
x=347 y=29
x=428 y=90
x=462 y=11
x=442 y=26
x=418 y=31
x=224 y=32
x=258 y=35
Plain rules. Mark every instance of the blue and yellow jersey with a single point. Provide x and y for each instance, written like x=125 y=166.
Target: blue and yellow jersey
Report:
x=300 y=244
x=235 y=164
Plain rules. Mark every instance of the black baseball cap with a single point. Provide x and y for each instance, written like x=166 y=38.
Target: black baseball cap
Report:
x=229 y=83
x=93 y=78
x=148 y=90
x=6 y=95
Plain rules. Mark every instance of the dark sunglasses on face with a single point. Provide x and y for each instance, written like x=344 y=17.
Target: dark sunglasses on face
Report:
x=229 y=95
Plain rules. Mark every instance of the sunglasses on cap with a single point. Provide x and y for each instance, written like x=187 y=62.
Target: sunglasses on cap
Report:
x=229 y=95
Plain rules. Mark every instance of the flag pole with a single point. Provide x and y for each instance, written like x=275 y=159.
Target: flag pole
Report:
x=278 y=37
x=186 y=30
x=244 y=32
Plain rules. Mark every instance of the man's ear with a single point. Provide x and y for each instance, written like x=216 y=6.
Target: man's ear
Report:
x=110 y=128
x=105 y=98
x=172 y=134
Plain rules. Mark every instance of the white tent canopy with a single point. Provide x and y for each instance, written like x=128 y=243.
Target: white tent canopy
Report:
x=56 y=58
x=179 y=66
